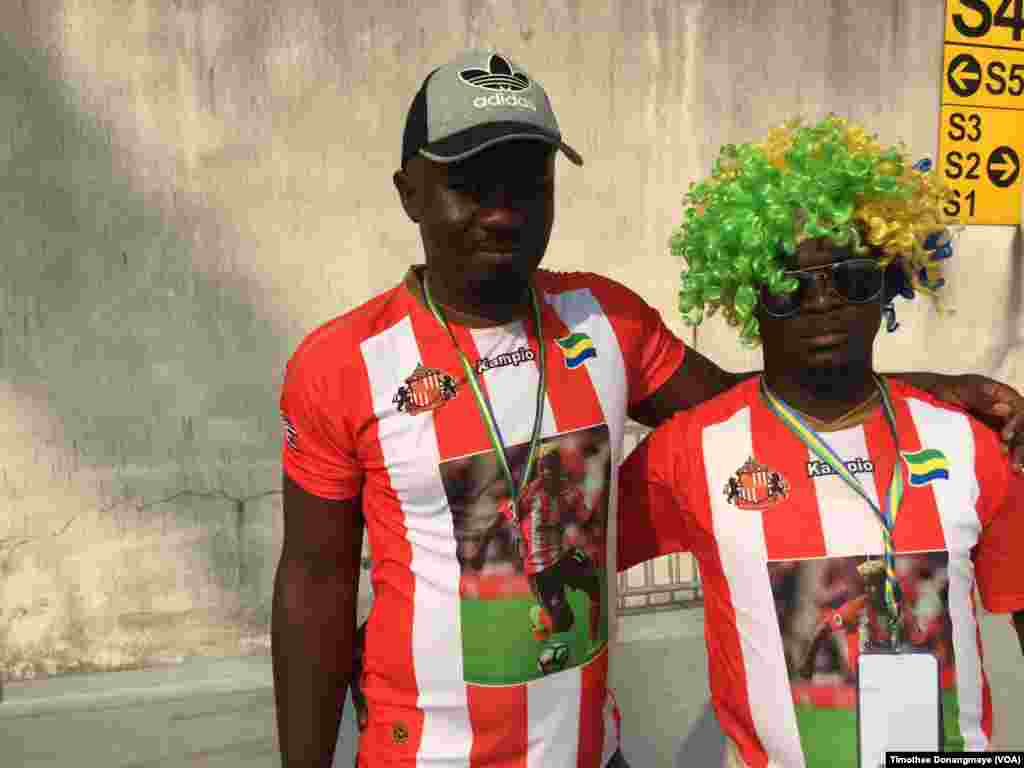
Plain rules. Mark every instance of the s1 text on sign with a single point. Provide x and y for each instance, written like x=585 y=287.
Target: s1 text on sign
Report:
x=985 y=22
x=980 y=158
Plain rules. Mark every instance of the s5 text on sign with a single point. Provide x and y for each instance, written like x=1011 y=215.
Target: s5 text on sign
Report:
x=987 y=77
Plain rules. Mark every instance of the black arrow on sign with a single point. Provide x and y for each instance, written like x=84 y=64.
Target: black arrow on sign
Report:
x=1003 y=166
x=964 y=75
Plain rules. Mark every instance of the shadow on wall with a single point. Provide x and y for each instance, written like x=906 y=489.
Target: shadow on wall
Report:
x=1004 y=345
x=1014 y=332
x=139 y=481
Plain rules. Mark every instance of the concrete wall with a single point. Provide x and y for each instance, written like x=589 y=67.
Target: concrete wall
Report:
x=190 y=186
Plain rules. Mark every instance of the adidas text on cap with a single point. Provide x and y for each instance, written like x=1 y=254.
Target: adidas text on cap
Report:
x=479 y=99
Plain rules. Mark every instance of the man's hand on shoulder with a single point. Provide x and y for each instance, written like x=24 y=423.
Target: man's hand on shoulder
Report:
x=998 y=405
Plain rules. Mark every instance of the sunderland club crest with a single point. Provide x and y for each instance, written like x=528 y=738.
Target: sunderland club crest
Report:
x=425 y=390
x=755 y=486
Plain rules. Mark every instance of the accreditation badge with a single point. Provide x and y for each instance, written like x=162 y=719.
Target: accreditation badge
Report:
x=899 y=705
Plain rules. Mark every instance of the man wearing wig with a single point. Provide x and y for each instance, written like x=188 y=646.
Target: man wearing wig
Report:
x=822 y=491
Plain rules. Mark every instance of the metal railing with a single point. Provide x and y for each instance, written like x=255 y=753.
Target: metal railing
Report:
x=671 y=581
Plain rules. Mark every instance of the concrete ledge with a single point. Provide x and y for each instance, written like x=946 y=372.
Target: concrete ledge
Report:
x=219 y=713
x=115 y=690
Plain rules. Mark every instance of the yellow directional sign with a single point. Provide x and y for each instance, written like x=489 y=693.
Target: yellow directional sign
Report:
x=981 y=129
x=987 y=77
x=987 y=22
x=980 y=158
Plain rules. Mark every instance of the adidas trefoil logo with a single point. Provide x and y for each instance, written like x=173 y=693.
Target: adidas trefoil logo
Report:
x=497 y=77
x=503 y=83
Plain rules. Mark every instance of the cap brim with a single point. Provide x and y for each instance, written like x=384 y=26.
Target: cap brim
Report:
x=470 y=143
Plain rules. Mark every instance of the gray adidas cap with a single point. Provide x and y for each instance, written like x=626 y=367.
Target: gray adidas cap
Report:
x=477 y=100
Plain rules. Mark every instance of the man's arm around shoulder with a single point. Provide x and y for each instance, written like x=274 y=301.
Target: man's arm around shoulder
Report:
x=696 y=380
x=313 y=623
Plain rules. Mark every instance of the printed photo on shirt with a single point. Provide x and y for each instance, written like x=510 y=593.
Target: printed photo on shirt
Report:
x=533 y=582
x=831 y=610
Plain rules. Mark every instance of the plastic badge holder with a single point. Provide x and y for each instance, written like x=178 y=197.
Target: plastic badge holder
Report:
x=899 y=705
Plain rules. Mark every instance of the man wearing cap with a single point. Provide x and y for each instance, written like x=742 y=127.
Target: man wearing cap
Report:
x=381 y=405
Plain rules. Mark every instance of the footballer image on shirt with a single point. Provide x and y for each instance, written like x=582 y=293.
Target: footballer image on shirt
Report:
x=831 y=610
x=533 y=581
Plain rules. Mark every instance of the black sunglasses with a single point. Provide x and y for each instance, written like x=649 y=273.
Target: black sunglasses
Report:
x=857 y=281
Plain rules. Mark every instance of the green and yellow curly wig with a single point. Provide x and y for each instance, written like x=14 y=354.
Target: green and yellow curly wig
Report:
x=829 y=180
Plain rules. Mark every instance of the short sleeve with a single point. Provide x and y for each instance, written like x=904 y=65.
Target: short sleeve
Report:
x=652 y=353
x=653 y=509
x=318 y=447
x=1000 y=546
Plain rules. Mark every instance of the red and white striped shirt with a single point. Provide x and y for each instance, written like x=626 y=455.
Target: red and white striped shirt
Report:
x=779 y=565
x=378 y=408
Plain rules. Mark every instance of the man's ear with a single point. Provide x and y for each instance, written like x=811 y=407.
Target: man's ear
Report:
x=410 y=191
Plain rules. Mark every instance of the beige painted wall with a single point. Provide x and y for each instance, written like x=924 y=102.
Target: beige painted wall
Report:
x=191 y=186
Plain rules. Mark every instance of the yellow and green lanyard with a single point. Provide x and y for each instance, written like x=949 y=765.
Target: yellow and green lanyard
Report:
x=484 y=406
x=886 y=514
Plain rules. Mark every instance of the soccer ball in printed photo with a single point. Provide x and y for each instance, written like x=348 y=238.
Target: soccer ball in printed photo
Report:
x=553 y=657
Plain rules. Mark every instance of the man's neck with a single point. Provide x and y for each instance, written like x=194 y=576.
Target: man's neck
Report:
x=824 y=394
x=460 y=310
